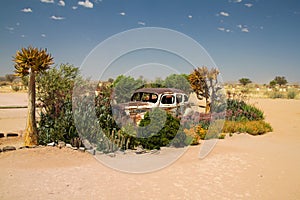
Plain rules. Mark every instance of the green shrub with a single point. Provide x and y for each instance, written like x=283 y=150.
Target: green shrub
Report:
x=195 y=134
x=238 y=110
x=251 y=127
x=87 y=124
x=291 y=94
x=58 y=127
x=96 y=118
x=54 y=93
x=158 y=129
x=222 y=136
x=3 y=83
x=15 y=88
x=276 y=95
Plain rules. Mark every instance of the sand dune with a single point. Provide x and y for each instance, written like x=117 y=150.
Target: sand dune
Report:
x=239 y=167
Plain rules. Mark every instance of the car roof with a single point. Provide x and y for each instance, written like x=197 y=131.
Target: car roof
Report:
x=159 y=90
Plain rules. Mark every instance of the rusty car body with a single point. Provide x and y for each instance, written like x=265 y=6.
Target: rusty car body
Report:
x=172 y=100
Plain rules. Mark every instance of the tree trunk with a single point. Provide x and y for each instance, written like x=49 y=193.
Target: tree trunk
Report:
x=31 y=129
x=207 y=105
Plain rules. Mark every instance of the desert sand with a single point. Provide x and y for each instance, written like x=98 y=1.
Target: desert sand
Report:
x=239 y=167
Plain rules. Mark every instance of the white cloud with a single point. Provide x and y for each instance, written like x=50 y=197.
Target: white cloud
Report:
x=225 y=14
x=56 y=17
x=47 y=1
x=10 y=28
x=190 y=16
x=61 y=3
x=249 y=5
x=122 y=13
x=86 y=4
x=224 y=29
x=141 y=23
x=43 y=35
x=235 y=1
x=246 y=30
x=74 y=7
x=18 y=24
x=26 y=10
x=243 y=28
x=22 y=36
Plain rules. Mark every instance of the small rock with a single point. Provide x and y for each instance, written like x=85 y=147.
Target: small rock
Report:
x=87 y=144
x=0 y=150
x=9 y=148
x=61 y=144
x=120 y=152
x=91 y=151
x=154 y=151
x=140 y=150
x=111 y=155
x=81 y=149
x=129 y=151
x=31 y=147
x=68 y=145
x=24 y=147
x=74 y=148
x=52 y=144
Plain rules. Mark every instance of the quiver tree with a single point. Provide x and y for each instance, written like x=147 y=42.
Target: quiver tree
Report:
x=204 y=82
x=213 y=85
x=28 y=62
x=199 y=84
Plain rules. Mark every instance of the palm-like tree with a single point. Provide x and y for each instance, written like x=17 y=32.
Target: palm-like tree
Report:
x=30 y=61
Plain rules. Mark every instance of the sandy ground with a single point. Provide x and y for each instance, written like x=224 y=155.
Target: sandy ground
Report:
x=239 y=167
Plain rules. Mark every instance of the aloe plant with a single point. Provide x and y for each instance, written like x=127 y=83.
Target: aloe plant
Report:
x=29 y=62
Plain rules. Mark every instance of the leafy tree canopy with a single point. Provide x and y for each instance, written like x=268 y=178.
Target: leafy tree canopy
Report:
x=124 y=86
x=245 y=81
x=280 y=80
x=179 y=81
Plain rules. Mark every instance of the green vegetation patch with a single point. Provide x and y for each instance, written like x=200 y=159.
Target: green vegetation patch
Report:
x=251 y=127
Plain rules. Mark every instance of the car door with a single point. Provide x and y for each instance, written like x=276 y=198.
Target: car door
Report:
x=168 y=102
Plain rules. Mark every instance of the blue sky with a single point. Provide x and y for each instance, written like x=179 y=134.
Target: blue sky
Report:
x=257 y=39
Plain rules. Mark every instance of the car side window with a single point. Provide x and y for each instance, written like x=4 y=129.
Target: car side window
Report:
x=153 y=98
x=168 y=99
x=146 y=97
x=136 y=97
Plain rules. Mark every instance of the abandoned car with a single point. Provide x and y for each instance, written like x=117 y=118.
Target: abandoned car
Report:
x=172 y=100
